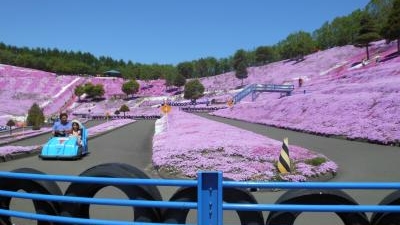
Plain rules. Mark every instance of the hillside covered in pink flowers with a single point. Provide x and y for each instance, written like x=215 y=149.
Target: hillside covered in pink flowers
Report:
x=340 y=95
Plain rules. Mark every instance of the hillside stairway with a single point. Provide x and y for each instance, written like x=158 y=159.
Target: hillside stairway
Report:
x=253 y=89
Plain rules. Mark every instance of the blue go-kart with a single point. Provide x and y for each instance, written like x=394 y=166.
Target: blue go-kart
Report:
x=62 y=146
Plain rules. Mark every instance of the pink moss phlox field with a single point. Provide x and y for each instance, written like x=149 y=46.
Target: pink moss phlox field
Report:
x=15 y=136
x=21 y=87
x=6 y=150
x=188 y=143
x=358 y=103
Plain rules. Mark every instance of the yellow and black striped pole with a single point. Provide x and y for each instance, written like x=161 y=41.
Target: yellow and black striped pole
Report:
x=284 y=160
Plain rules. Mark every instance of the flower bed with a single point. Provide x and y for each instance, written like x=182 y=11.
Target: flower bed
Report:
x=186 y=143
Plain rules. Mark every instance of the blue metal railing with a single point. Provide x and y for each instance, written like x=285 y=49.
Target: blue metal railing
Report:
x=246 y=91
x=209 y=205
x=253 y=88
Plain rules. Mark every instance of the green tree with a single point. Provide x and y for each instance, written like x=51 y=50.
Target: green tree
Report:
x=379 y=11
x=94 y=91
x=193 y=90
x=186 y=69
x=341 y=31
x=323 y=36
x=297 y=45
x=212 y=66
x=10 y=124
x=78 y=91
x=98 y=91
x=201 y=68
x=130 y=88
x=263 y=55
x=179 y=80
x=251 y=58
x=169 y=80
x=117 y=112
x=240 y=64
x=124 y=108
x=88 y=88
x=345 y=29
x=368 y=32
x=391 y=29
x=225 y=65
x=35 y=117
x=146 y=72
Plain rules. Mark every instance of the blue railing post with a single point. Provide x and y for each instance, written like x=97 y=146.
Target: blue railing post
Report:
x=209 y=198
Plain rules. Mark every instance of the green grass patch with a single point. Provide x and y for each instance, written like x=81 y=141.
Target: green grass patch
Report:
x=315 y=161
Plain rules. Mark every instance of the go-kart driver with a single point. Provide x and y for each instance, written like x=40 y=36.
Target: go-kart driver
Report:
x=62 y=127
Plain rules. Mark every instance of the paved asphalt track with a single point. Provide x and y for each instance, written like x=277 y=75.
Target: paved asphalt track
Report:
x=361 y=162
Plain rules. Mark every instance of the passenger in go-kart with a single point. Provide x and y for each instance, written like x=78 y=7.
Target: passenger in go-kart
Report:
x=62 y=127
x=76 y=131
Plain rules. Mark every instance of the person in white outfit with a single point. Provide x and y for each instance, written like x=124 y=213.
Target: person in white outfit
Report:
x=76 y=131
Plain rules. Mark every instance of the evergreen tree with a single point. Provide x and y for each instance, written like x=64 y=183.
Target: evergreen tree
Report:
x=193 y=90
x=263 y=55
x=368 y=32
x=297 y=45
x=379 y=11
x=391 y=29
x=179 y=80
x=186 y=69
x=201 y=68
x=240 y=64
x=35 y=117
x=225 y=65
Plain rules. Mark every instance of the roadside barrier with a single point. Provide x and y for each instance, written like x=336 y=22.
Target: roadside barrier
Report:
x=137 y=117
x=284 y=160
x=210 y=195
x=201 y=109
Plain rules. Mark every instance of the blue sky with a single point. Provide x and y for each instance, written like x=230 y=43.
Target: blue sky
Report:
x=162 y=31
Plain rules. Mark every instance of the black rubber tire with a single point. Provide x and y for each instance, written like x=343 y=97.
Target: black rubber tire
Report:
x=387 y=218
x=31 y=186
x=230 y=195
x=317 y=197
x=141 y=214
x=390 y=218
x=140 y=174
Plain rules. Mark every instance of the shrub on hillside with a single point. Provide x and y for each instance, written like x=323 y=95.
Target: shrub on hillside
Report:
x=10 y=123
x=35 y=117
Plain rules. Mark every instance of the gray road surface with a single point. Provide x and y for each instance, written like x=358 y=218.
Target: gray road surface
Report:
x=132 y=145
